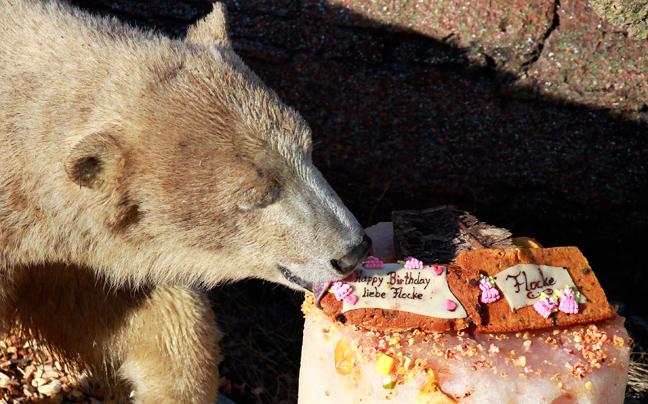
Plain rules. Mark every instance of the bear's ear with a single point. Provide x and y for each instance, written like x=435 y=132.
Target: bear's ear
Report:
x=212 y=29
x=96 y=162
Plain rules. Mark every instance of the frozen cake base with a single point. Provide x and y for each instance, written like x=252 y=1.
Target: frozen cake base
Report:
x=579 y=364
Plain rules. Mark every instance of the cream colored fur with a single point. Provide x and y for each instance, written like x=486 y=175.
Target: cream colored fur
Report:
x=153 y=165
x=194 y=148
x=160 y=342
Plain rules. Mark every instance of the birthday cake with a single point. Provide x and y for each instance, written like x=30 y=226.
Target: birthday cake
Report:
x=506 y=324
x=491 y=290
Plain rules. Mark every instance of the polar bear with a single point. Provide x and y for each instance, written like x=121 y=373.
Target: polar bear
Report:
x=136 y=170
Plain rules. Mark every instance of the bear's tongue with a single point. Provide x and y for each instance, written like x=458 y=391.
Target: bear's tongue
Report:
x=320 y=289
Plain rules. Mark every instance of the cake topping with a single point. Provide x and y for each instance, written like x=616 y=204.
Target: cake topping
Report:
x=351 y=299
x=563 y=300
x=546 y=305
x=568 y=301
x=524 y=284
x=523 y=275
x=389 y=382
x=398 y=298
x=450 y=305
x=488 y=293
x=341 y=290
x=430 y=393
x=343 y=357
x=410 y=290
x=373 y=263
x=413 y=263
x=385 y=364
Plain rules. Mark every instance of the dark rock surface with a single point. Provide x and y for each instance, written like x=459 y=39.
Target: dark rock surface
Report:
x=530 y=114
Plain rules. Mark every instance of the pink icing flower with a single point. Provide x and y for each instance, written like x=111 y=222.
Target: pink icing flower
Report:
x=413 y=263
x=373 y=263
x=568 y=302
x=489 y=293
x=545 y=306
x=341 y=290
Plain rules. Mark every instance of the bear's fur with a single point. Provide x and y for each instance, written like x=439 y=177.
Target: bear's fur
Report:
x=134 y=167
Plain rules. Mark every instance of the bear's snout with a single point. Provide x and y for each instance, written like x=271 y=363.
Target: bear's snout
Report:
x=350 y=260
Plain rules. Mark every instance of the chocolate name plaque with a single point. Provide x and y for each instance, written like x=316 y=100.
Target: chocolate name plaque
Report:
x=524 y=284
x=394 y=287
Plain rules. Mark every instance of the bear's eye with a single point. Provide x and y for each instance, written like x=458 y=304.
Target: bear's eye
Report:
x=259 y=197
x=271 y=196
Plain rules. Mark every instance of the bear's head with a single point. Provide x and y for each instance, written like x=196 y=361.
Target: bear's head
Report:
x=204 y=176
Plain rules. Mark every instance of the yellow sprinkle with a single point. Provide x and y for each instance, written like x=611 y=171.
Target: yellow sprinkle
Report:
x=385 y=364
x=520 y=362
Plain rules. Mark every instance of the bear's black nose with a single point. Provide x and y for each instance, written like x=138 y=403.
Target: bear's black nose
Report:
x=349 y=261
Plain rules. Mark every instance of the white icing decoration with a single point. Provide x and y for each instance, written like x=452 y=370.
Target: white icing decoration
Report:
x=416 y=291
x=523 y=284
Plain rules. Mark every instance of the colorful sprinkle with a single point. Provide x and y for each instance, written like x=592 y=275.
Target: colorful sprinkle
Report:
x=388 y=382
x=373 y=263
x=450 y=305
x=351 y=299
x=343 y=357
x=436 y=269
x=351 y=277
x=413 y=263
x=385 y=364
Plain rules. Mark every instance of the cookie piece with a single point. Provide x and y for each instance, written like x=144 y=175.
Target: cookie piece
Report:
x=393 y=315
x=500 y=317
